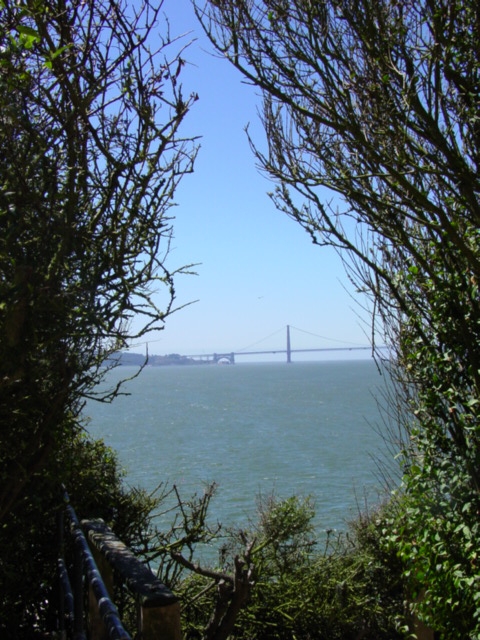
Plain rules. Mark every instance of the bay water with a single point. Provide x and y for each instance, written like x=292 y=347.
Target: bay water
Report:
x=305 y=428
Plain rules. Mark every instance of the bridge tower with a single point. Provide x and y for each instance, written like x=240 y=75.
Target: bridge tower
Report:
x=289 y=350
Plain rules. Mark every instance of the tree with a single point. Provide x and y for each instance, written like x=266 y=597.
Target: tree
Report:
x=370 y=111
x=91 y=108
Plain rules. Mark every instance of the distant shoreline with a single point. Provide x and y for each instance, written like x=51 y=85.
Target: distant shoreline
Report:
x=138 y=360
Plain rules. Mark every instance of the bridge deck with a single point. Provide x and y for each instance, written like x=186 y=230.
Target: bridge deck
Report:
x=273 y=351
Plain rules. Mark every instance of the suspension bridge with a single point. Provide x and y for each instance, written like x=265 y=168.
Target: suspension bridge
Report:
x=232 y=356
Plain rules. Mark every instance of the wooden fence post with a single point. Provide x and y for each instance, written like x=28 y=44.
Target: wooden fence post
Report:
x=162 y=623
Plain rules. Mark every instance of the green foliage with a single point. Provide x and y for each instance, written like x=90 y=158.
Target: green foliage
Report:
x=348 y=587
x=339 y=587
x=284 y=536
x=436 y=536
x=438 y=533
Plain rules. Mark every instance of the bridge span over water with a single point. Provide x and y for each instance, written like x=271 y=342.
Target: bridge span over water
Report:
x=230 y=357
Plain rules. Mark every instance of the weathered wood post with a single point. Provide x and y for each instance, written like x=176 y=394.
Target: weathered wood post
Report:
x=157 y=607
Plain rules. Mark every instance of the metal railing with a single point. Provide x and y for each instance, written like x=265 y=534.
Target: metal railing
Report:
x=97 y=559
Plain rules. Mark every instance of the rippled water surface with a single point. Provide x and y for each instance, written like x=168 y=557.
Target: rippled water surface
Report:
x=304 y=428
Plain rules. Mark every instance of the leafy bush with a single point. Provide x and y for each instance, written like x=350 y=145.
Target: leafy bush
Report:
x=342 y=586
x=350 y=587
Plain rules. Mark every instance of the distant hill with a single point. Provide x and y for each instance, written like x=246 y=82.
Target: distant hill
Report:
x=126 y=358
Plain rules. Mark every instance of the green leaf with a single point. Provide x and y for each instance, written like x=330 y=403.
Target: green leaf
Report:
x=27 y=31
x=28 y=36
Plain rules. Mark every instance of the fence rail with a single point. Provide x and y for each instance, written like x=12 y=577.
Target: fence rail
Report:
x=100 y=558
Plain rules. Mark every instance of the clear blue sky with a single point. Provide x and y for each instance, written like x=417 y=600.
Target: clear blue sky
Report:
x=257 y=269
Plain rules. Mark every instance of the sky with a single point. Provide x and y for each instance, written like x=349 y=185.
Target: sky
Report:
x=257 y=270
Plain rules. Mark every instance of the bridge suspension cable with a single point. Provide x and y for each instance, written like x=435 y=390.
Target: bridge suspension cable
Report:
x=254 y=344
x=316 y=335
x=282 y=329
